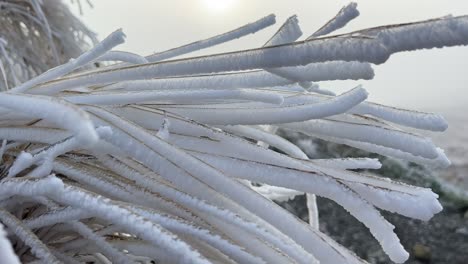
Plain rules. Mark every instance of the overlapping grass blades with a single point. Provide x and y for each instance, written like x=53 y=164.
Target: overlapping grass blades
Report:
x=153 y=158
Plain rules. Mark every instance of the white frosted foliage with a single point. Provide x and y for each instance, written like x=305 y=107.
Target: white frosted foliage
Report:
x=100 y=49
x=123 y=56
x=346 y=14
x=202 y=44
x=177 y=160
x=288 y=32
x=6 y=250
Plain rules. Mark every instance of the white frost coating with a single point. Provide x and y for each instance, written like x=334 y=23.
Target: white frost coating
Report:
x=435 y=33
x=231 y=146
x=407 y=200
x=249 y=79
x=196 y=177
x=260 y=155
x=420 y=120
x=349 y=163
x=110 y=186
x=124 y=56
x=175 y=96
x=6 y=250
x=226 y=217
x=333 y=70
x=114 y=255
x=326 y=71
x=288 y=32
x=346 y=14
x=164 y=130
x=29 y=187
x=38 y=248
x=23 y=161
x=295 y=54
x=55 y=110
x=114 y=39
x=253 y=155
x=206 y=43
x=315 y=88
x=407 y=204
x=104 y=131
x=277 y=176
x=313 y=241
x=416 y=145
x=56 y=216
x=441 y=161
x=410 y=118
x=312 y=210
x=272 y=115
x=179 y=226
x=207 y=209
x=108 y=210
x=278 y=194
x=203 y=138
x=48 y=154
x=266 y=137
x=273 y=192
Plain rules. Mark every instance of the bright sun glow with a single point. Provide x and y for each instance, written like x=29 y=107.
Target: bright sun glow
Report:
x=218 y=5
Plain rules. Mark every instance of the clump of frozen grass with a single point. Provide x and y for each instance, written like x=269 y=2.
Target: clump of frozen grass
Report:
x=36 y=35
x=154 y=159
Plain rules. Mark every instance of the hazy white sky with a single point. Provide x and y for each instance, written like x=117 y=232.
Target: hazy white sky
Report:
x=431 y=79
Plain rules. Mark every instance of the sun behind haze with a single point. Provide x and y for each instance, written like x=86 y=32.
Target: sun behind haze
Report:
x=219 y=6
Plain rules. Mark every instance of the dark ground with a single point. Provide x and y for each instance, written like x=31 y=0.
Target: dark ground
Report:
x=443 y=239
